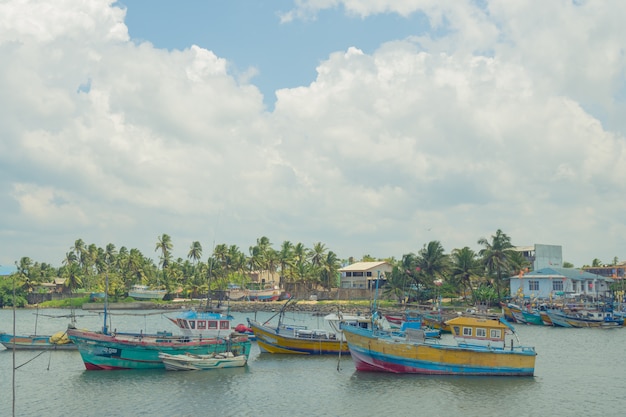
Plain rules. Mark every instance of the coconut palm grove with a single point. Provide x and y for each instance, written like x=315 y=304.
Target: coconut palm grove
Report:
x=464 y=274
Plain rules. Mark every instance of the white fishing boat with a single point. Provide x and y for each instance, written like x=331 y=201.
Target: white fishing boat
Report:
x=191 y=362
x=143 y=292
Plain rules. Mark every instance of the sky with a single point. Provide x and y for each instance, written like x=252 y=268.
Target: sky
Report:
x=371 y=126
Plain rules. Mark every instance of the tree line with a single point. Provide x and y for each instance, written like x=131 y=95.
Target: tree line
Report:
x=477 y=276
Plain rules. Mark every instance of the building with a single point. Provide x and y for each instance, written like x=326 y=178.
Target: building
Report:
x=549 y=283
x=363 y=275
x=263 y=278
x=542 y=256
x=617 y=271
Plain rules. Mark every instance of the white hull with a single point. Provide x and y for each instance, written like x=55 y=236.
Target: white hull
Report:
x=140 y=292
x=188 y=362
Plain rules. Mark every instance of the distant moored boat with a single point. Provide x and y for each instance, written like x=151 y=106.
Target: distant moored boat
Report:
x=142 y=292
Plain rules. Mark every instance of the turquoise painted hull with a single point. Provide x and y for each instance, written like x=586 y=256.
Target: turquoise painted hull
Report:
x=532 y=318
x=108 y=352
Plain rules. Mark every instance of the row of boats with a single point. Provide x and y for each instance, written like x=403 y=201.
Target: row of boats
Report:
x=207 y=340
x=565 y=316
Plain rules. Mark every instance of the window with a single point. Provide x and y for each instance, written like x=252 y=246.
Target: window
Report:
x=480 y=332
x=357 y=274
x=557 y=285
x=201 y=324
x=467 y=331
x=224 y=324
x=369 y=273
x=192 y=324
x=212 y=324
x=495 y=334
x=348 y=274
x=533 y=285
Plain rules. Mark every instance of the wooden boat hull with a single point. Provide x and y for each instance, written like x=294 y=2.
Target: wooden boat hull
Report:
x=383 y=354
x=272 y=342
x=147 y=295
x=532 y=318
x=558 y=319
x=38 y=342
x=581 y=322
x=187 y=362
x=109 y=352
x=547 y=321
x=255 y=295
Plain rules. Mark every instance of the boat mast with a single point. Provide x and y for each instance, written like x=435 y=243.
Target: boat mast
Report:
x=105 y=329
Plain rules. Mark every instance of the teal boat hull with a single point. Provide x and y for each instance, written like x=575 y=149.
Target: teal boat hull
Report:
x=109 y=352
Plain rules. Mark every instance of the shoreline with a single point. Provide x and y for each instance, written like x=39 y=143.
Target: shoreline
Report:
x=320 y=308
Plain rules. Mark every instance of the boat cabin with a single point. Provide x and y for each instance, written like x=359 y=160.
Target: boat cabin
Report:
x=203 y=324
x=478 y=331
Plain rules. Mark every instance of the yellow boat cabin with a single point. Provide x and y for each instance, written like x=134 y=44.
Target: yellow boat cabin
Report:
x=474 y=331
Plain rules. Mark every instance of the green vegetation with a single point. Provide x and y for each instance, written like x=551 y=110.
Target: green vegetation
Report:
x=462 y=274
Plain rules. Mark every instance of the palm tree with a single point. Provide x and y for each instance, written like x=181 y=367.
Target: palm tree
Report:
x=496 y=255
x=432 y=262
x=164 y=244
x=79 y=250
x=195 y=252
x=318 y=253
x=73 y=278
x=285 y=256
x=464 y=267
x=330 y=270
x=397 y=283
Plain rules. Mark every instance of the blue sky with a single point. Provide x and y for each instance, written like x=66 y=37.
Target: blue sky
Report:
x=373 y=127
x=250 y=34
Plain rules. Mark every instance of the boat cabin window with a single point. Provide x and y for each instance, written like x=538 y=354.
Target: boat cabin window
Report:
x=224 y=324
x=192 y=324
x=212 y=324
x=496 y=334
x=201 y=324
x=480 y=332
x=183 y=324
x=467 y=331
x=456 y=330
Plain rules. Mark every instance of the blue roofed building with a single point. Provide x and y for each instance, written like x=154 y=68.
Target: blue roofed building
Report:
x=549 y=283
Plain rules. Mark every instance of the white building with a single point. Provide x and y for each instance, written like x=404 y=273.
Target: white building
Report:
x=548 y=283
x=363 y=275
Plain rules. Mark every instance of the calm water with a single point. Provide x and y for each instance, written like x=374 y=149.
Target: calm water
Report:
x=579 y=372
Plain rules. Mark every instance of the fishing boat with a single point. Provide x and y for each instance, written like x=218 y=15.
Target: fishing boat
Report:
x=480 y=348
x=267 y=293
x=594 y=318
x=105 y=350
x=190 y=362
x=295 y=339
x=143 y=292
x=557 y=318
x=114 y=351
x=35 y=341
x=57 y=341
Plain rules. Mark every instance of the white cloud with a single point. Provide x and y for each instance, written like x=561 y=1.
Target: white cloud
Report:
x=506 y=119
